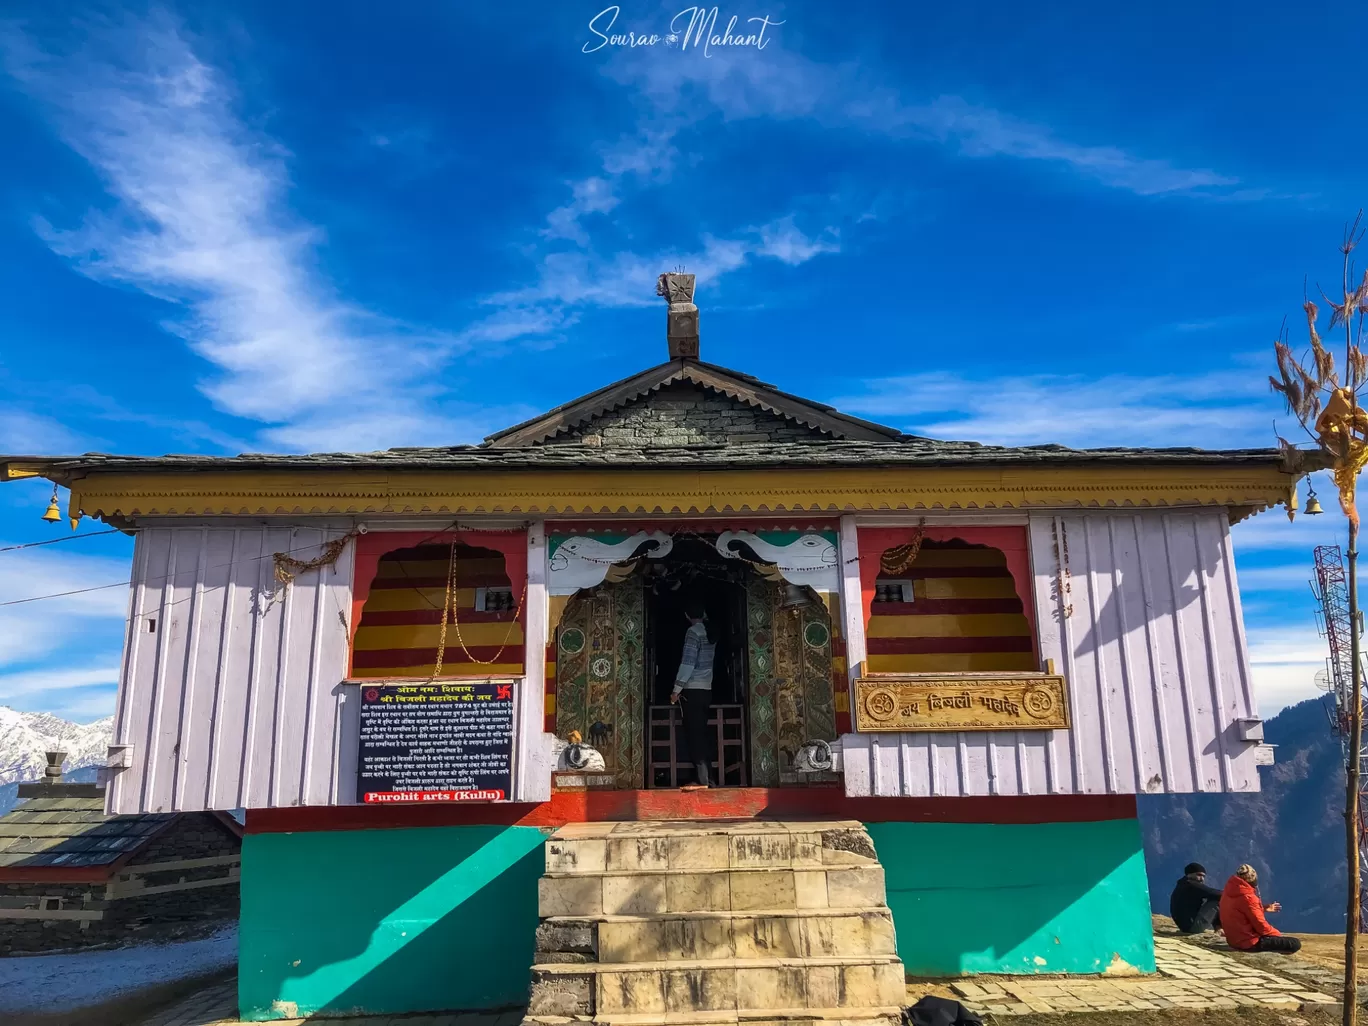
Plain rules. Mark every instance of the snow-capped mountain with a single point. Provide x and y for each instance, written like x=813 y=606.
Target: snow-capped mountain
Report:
x=24 y=737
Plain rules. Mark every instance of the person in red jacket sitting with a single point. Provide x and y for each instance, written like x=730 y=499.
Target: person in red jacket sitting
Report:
x=1242 y=916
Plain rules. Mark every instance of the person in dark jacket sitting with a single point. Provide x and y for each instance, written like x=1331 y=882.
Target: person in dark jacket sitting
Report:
x=1194 y=906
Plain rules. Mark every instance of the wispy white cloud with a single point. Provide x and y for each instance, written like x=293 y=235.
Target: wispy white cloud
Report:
x=201 y=221
x=77 y=694
x=1213 y=410
x=1279 y=578
x=569 y=280
x=62 y=654
x=574 y=270
x=369 y=430
x=649 y=154
x=1303 y=533
x=1284 y=662
x=25 y=432
x=593 y=195
x=645 y=157
x=783 y=84
x=677 y=92
x=981 y=132
x=82 y=627
x=26 y=684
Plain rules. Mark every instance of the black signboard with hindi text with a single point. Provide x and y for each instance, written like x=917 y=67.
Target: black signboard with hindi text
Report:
x=444 y=741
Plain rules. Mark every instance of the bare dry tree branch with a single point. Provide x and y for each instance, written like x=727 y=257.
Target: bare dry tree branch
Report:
x=1332 y=415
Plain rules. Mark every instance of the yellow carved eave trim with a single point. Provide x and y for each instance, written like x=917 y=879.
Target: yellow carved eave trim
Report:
x=559 y=493
x=16 y=471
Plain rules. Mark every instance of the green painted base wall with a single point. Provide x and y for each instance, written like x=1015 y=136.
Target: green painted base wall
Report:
x=1040 y=898
x=444 y=918
x=387 y=921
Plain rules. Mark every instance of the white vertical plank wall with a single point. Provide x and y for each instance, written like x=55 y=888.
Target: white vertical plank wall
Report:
x=231 y=694
x=1141 y=613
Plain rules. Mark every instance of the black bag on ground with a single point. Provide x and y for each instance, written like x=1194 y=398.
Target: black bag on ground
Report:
x=934 y=1011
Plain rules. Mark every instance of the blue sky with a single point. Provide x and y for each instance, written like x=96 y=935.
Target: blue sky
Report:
x=266 y=227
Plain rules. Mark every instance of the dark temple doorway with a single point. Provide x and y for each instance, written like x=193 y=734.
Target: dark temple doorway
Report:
x=695 y=571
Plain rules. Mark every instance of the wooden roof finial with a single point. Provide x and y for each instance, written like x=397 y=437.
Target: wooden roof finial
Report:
x=681 y=330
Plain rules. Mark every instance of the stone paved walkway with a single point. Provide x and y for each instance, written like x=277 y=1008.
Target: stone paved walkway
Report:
x=1193 y=973
x=217 y=1006
x=212 y=1005
x=1190 y=976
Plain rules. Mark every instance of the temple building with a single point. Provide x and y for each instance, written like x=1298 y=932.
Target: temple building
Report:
x=438 y=681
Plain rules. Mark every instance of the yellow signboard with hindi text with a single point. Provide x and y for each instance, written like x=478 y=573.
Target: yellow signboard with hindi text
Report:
x=910 y=702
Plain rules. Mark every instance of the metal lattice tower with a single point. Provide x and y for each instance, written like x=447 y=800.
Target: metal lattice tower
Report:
x=1332 y=592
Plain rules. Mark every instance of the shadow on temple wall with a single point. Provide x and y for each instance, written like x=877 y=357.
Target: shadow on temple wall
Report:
x=389 y=921
x=1029 y=898
x=1175 y=580
x=1169 y=589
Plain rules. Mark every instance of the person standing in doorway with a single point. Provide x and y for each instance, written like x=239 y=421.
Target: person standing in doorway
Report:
x=693 y=691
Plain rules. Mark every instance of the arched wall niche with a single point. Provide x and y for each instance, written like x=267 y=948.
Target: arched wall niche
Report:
x=971 y=609
x=405 y=572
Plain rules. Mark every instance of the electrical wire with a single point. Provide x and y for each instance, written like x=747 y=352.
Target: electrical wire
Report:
x=268 y=555
x=64 y=594
x=151 y=580
x=64 y=538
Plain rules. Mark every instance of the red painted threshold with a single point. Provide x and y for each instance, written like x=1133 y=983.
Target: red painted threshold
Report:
x=720 y=803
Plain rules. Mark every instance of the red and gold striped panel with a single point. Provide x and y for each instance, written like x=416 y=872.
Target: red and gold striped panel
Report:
x=549 y=710
x=965 y=616
x=401 y=623
x=840 y=681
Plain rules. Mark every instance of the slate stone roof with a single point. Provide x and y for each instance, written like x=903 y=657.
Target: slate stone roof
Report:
x=71 y=829
x=757 y=455
x=736 y=386
x=832 y=439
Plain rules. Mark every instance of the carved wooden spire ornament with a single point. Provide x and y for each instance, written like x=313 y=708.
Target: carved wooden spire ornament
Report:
x=682 y=325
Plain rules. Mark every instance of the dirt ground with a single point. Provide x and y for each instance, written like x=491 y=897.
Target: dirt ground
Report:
x=1329 y=947
x=1174 y=1017
x=1326 y=949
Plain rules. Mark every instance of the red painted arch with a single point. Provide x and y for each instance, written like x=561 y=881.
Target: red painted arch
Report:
x=370 y=547
x=1011 y=541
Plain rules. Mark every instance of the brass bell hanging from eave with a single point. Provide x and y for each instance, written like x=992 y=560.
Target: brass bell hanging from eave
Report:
x=1313 y=506
x=54 y=513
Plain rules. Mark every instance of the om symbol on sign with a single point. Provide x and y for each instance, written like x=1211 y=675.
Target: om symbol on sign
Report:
x=881 y=704
x=1039 y=702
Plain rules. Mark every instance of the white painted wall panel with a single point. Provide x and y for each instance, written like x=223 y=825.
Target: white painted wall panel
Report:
x=231 y=694
x=1141 y=613
x=235 y=698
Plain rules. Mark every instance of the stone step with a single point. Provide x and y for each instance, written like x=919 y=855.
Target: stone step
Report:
x=646 y=892
x=718 y=935
x=890 y=1016
x=703 y=846
x=754 y=985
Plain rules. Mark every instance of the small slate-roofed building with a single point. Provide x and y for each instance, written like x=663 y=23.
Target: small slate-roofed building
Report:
x=71 y=875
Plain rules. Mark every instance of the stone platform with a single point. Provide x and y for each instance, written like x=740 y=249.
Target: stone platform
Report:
x=717 y=921
x=1190 y=975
